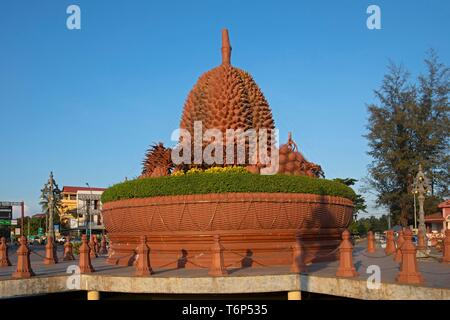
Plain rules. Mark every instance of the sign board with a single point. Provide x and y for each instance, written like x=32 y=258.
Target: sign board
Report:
x=6 y=212
x=4 y=222
x=40 y=232
x=14 y=222
x=17 y=231
x=9 y=203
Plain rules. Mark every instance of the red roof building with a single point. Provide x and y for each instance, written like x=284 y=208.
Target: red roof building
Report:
x=440 y=220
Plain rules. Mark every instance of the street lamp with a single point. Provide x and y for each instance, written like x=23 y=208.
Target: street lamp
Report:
x=52 y=192
x=89 y=210
x=421 y=187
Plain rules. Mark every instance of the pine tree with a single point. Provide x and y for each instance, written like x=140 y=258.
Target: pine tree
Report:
x=409 y=126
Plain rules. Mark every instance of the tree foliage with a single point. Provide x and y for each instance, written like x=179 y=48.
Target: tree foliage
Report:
x=359 y=202
x=408 y=127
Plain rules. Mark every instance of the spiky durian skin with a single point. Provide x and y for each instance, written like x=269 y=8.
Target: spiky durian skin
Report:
x=227 y=98
x=157 y=161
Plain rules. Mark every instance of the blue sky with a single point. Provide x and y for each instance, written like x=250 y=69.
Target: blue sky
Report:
x=87 y=103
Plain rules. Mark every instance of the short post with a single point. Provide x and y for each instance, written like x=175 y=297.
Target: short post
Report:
x=23 y=269
x=346 y=267
x=4 y=258
x=421 y=245
x=103 y=249
x=92 y=247
x=446 y=251
x=96 y=246
x=298 y=259
x=143 y=267
x=398 y=252
x=50 y=252
x=371 y=246
x=390 y=243
x=217 y=262
x=68 y=250
x=408 y=270
x=85 y=258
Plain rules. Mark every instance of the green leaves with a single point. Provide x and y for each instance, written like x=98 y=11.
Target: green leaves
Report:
x=408 y=127
x=204 y=183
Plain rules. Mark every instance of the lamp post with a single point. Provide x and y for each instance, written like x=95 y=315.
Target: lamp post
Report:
x=421 y=187
x=89 y=210
x=52 y=191
x=50 y=230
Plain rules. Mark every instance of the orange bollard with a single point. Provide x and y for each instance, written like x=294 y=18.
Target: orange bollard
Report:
x=390 y=243
x=103 y=249
x=85 y=258
x=143 y=267
x=371 y=246
x=446 y=253
x=346 y=267
x=50 y=252
x=96 y=246
x=409 y=272
x=398 y=252
x=298 y=259
x=68 y=250
x=92 y=246
x=421 y=241
x=4 y=258
x=23 y=269
x=217 y=263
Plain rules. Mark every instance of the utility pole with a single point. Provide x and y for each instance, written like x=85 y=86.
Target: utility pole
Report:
x=22 y=217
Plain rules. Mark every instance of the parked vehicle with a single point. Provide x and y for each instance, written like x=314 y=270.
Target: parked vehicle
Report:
x=34 y=240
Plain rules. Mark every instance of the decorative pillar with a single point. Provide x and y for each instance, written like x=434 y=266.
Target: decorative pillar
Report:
x=96 y=246
x=68 y=250
x=421 y=245
x=103 y=249
x=398 y=252
x=421 y=187
x=217 y=263
x=143 y=267
x=85 y=258
x=371 y=246
x=390 y=243
x=408 y=269
x=50 y=252
x=23 y=269
x=298 y=259
x=92 y=253
x=446 y=252
x=4 y=258
x=346 y=267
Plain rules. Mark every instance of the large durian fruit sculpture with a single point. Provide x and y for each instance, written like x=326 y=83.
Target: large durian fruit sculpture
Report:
x=227 y=98
x=224 y=98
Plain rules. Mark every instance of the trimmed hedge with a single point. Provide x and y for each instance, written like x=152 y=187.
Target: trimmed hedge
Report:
x=203 y=183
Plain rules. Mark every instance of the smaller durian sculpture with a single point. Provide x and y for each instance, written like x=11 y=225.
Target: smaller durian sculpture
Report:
x=292 y=162
x=157 y=162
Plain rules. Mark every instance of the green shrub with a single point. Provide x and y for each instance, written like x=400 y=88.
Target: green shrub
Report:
x=203 y=183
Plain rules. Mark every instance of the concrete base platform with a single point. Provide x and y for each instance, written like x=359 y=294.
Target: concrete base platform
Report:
x=320 y=279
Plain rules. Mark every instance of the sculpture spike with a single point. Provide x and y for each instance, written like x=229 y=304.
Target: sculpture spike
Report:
x=226 y=48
